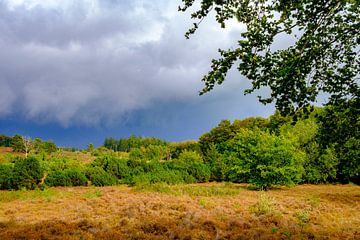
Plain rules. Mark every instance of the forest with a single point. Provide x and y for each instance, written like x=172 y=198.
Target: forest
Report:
x=321 y=145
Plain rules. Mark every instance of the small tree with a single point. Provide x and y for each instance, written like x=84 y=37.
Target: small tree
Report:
x=28 y=144
x=90 y=148
x=264 y=160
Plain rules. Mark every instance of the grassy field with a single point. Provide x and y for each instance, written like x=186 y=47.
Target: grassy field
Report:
x=200 y=211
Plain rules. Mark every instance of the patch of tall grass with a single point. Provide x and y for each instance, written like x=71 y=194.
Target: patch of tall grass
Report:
x=190 y=190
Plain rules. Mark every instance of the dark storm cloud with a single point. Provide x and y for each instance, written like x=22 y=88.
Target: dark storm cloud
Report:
x=90 y=62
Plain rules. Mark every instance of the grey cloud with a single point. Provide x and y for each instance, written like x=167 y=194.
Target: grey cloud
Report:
x=68 y=66
x=7 y=99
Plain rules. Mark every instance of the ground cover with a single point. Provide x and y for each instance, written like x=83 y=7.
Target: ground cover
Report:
x=193 y=211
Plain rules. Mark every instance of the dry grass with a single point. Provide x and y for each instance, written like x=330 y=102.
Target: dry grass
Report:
x=83 y=157
x=6 y=154
x=303 y=212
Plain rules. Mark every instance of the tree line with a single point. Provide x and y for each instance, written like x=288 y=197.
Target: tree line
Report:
x=321 y=146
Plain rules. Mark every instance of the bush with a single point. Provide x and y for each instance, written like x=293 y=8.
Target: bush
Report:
x=192 y=163
x=5 y=176
x=99 y=177
x=27 y=173
x=68 y=177
x=177 y=148
x=60 y=164
x=264 y=160
x=114 y=166
x=57 y=178
x=76 y=177
x=156 y=153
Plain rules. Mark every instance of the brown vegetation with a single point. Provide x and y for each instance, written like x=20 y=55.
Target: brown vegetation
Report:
x=83 y=157
x=303 y=212
x=7 y=153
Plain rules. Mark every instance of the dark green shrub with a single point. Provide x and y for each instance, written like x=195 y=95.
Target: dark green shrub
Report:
x=192 y=163
x=27 y=173
x=67 y=177
x=57 y=178
x=76 y=177
x=99 y=177
x=153 y=166
x=351 y=160
x=5 y=176
x=114 y=166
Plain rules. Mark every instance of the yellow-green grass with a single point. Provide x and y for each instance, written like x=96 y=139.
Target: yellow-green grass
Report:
x=197 y=211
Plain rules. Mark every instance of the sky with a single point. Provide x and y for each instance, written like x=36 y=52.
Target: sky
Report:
x=78 y=71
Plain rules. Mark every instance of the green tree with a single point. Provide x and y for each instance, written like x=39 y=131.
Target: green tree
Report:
x=90 y=147
x=5 y=141
x=263 y=159
x=340 y=129
x=320 y=164
x=323 y=58
x=17 y=143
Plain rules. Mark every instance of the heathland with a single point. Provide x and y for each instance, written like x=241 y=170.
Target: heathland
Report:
x=256 y=178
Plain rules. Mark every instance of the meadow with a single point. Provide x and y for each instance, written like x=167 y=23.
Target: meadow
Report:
x=185 y=211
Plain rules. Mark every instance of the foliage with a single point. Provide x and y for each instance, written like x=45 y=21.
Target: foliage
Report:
x=57 y=178
x=67 y=177
x=192 y=163
x=320 y=147
x=177 y=148
x=227 y=130
x=113 y=166
x=5 y=141
x=44 y=146
x=340 y=129
x=126 y=144
x=90 y=147
x=17 y=143
x=320 y=165
x=60 y=164
x=323 y=58
x=27 y=173
x=217 y=164
x=5 y=176
x=99 y=177
x=264 y=160
x=157 y=153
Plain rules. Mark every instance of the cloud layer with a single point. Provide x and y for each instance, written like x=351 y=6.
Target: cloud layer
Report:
x=88 y=62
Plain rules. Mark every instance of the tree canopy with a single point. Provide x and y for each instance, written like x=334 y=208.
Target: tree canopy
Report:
x=323 y=58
